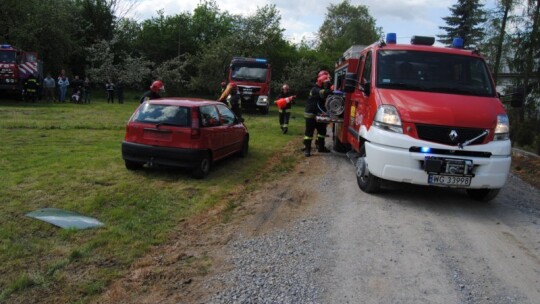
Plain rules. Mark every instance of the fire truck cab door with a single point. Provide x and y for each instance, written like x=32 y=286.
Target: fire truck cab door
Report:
x=365 y=92
x=29 y=57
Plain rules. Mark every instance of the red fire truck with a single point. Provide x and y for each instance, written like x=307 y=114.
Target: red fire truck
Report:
x=421 y=114
x=16 y=66
x=252 y=75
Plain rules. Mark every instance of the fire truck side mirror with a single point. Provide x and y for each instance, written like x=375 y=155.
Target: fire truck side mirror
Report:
x=350 y=82
x=517 y=97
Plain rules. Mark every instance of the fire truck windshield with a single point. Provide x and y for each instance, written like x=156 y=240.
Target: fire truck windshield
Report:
x=244 y=73
x=433 y=72
x=7 y=57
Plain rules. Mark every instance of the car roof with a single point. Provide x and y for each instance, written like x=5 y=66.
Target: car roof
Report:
x=183 y=101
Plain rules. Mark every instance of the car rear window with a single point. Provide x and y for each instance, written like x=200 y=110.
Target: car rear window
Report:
x=163 y=114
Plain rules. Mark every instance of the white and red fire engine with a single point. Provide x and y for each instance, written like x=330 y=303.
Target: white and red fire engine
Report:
x=421 y=114
x=16 y=66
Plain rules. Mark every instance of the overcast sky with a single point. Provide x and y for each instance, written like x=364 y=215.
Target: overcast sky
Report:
x=302 y=18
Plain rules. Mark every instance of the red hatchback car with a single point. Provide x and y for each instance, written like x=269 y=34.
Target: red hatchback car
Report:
x=183 y=132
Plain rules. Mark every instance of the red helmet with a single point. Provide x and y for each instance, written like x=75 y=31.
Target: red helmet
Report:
x=233 y=85
x=223 y=84
x=322 y=79
x=157 y=86
x=323 y=72
x=285 y=87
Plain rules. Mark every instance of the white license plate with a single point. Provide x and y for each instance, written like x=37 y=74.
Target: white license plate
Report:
x=449 y=180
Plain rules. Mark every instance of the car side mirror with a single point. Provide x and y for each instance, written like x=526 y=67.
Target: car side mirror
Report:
x=366 y=88
x=350 y=82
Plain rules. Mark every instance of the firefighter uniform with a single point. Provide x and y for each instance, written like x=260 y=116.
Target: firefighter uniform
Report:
x=235 y=103
x=315 y=106
x=285 y=114
x=30 y=89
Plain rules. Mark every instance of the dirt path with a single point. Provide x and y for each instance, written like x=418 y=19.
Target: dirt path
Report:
x=312 y=237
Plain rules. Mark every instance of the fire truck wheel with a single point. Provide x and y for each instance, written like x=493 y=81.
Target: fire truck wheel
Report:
x=338 y=146
x=367 y=182
x=203 y=167
x=263 y=110
x=483 y=195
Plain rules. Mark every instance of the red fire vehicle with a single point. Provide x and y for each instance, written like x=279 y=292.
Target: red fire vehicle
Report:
x=16 y=66
x=252 y=75
x=421 y=114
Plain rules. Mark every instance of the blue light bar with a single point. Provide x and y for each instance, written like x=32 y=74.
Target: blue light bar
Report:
x=6 y=46
x=425 y=149
x=457 y=43
x=260 y=60
x=391 y=38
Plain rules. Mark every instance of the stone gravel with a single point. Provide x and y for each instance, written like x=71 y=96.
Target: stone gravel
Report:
x=280 y=267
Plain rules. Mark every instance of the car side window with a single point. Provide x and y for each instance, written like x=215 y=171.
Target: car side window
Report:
x=209 y=116
x=227 y=116
x=366 y=73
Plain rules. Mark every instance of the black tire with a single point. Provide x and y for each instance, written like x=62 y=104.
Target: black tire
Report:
x=367 y=182
x=482 y=195
x=338 y=146
x=131 y=165
x=203 y=167
x=245 y=148
x=263 y=110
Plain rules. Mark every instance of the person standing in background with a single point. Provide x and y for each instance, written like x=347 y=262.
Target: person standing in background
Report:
x=109 y=87
x=120 y=91
x=86 y=90
x=48 y=88
x=63 y=84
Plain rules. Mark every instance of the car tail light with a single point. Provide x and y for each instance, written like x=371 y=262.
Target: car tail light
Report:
x=195 y=130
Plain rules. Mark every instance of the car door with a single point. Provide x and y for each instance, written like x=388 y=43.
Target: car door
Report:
x=234 y=131
x=212 y=131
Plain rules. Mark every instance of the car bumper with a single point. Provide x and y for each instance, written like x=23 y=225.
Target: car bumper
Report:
x=396 y=162
x=177 y=157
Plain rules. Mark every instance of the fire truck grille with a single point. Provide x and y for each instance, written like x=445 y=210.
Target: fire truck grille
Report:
x=449 y=135
x=249 y=91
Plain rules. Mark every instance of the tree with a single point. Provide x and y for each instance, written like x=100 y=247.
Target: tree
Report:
x=506 y=6
x=298 y=75
x=346 y=25
x=467 y=17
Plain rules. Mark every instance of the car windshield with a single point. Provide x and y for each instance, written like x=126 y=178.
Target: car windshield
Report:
x=244 y=73
x=7 y=57
x=163 y=115
x=433 y=72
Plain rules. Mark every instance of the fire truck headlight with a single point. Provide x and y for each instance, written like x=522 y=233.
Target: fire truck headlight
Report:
x=502 y=130
x=387 y=118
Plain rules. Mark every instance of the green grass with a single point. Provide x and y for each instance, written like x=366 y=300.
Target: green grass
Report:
x=68 y=156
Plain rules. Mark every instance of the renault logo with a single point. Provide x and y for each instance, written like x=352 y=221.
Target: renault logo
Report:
x=453 y=135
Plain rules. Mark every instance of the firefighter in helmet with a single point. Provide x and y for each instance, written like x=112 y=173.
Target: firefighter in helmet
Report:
x=156 y=88
x=232 y=98
x=285 y=113
x=314 y=107
x=31 y=86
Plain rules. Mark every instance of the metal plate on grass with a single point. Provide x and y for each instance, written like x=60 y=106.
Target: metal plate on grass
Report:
x=65 y=219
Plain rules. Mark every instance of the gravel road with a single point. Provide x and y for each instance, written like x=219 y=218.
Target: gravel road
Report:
x=319 y=239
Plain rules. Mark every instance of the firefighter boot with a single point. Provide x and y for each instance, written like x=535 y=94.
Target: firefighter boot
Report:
x=307 y=147
x=320 y=146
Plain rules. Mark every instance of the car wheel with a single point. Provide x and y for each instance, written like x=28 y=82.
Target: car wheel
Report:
x=203 y=167
x=245 y=147
x=367 y=182
x=483 y=195
x=131 y=165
